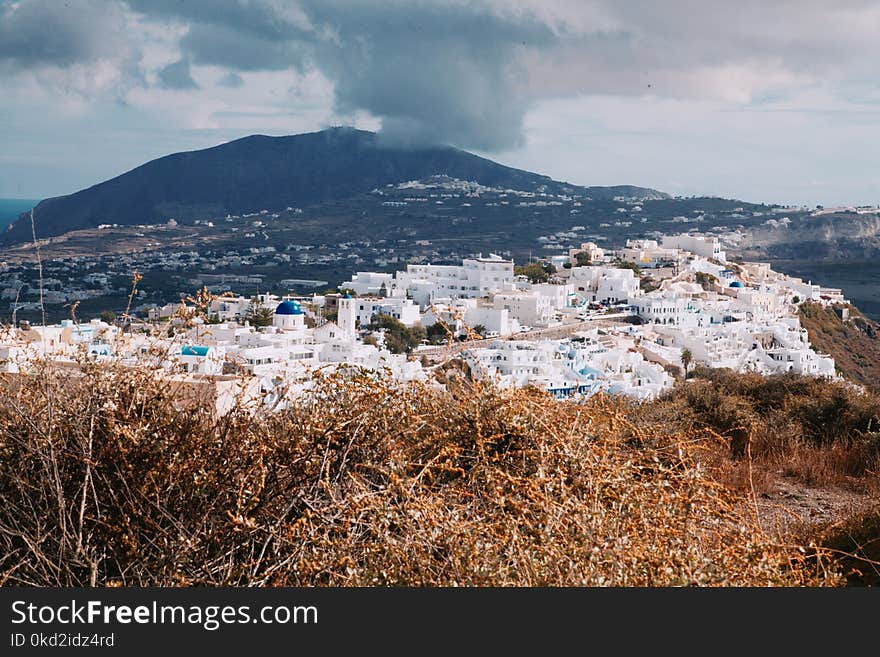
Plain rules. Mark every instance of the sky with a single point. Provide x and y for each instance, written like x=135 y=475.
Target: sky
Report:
x=767 y=101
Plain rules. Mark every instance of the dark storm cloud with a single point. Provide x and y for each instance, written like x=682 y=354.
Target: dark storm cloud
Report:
x=267 y=19
x=177 y=76
x=37 y=33
x=241 y=50
x=433 y=71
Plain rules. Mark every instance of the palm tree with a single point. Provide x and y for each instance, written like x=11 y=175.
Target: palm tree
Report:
x=686 y=358
x=257 y=314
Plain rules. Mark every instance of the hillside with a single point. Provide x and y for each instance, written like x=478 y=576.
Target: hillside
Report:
x=259 y=172
x=854 y=343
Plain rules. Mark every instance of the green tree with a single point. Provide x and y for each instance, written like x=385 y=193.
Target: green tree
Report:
x=436 y=334
x=706 y=281
x=107 y=316
x=686 y=358
x=582 y=259
x=622 y=264
x=536 y=272
x=480 y=330
x=399 y=339
x=648 y=284
x=258 y=315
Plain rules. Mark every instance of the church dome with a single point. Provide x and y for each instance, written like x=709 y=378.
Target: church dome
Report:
x=289 y=308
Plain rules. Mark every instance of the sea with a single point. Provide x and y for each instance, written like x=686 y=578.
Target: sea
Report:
x=10 y=208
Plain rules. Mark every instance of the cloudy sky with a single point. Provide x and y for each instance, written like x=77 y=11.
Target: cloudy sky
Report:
x=764 y=100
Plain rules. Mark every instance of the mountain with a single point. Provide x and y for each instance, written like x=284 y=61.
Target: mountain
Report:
x=259 y=172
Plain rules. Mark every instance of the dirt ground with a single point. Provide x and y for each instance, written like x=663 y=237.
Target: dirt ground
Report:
x=845 y=520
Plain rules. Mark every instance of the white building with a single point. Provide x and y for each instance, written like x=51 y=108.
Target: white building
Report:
x=593 y=251
x=199 y=359
x=704 y=246
x=528 y=308
x=401 y=309
x=474 y=277
x=228 y=307
x=601 y=284
x=744 y=318
x=349 y=353
x=581 y=366
x=561 y=295
x=366 y=283
x=648 y=254
x=496 y=320
x=346 y=317
x=289 y=316
x=781 y=346
x=469 y=313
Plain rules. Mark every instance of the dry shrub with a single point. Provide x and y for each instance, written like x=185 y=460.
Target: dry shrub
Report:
x=105 y=480
x=857 y=542
x=819 y=431
x=837 y=463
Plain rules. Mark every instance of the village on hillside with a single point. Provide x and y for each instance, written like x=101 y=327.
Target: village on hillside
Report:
x=624 y=322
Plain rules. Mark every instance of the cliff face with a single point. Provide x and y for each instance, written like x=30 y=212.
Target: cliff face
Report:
x=827 y=236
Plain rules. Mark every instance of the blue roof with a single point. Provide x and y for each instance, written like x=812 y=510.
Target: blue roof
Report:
x=194 y=351
x=289 y=308
x=736 y=284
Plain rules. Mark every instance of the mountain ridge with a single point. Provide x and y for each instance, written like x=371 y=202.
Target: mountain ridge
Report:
x=261 y=172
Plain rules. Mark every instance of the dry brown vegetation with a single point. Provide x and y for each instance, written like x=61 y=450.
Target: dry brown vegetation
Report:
x=854 y=343
x=805 y=451
x=821 y=432
x=105 y=481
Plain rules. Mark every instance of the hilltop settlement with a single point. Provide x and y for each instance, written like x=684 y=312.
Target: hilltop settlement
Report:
x=624 y=322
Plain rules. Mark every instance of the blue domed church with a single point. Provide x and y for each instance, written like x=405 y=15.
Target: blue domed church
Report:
x=288 y=316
